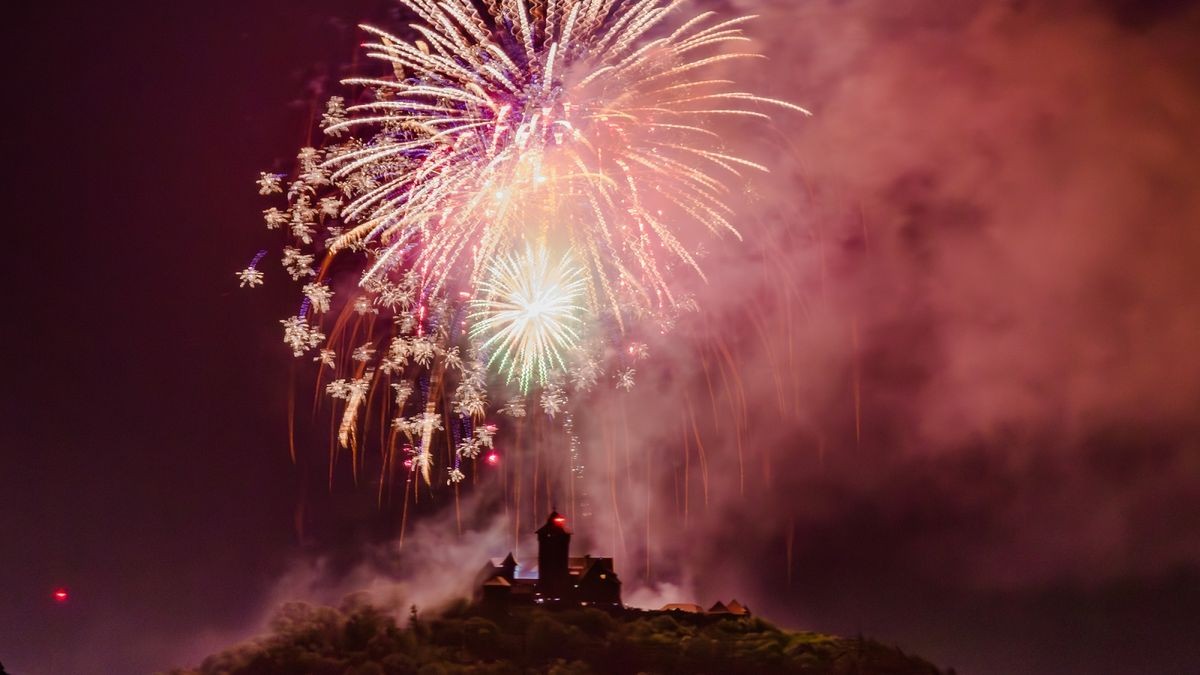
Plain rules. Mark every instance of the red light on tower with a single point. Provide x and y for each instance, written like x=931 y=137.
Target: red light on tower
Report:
x=60 y=595
x=560 y=521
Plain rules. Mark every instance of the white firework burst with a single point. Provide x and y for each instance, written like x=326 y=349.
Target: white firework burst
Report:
x=529 y=314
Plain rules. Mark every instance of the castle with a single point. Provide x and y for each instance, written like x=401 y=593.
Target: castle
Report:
x=561 y=579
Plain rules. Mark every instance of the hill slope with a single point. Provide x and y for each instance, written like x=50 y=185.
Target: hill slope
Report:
x=363 y=640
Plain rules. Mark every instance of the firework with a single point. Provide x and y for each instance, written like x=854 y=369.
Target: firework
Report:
x=582 y=125
x=529 y=314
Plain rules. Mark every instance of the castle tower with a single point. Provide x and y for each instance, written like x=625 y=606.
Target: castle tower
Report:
x=554 y=542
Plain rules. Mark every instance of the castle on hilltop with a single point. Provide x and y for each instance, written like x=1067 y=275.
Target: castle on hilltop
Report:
x=560 y=580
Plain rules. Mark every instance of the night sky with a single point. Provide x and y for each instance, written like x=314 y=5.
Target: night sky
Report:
x=998 y=210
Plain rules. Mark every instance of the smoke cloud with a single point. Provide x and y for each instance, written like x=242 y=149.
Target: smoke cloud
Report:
x=961 y=333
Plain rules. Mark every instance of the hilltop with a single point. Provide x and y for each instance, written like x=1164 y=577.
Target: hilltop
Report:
x=360 y=639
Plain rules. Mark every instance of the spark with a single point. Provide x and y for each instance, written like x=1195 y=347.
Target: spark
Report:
x=335 y=114
x=269 y=183
x=553 y=400
x=363 y=353
x=362 y=306
x=625 y=379
x=485 y=435
x=468 y=448
x=638 y=351
x=584 y=376
x=514 y=407
x=275 y=218
x=319 y=295
x=300 y=336
x=403 y=391
x=326 y=358
x=250 y=277
x=297 y=264
x=354 y=393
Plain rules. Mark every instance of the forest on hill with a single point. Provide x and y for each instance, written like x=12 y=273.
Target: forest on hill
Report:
x=360 y=639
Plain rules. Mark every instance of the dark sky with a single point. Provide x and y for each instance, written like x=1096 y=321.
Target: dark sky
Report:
x=145 y=463
x=1005 y=205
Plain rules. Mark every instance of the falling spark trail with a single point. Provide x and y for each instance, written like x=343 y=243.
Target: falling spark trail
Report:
x=857 y=383
x=619 y=532
x=699 y=448
x=291 y=412
x=687 y=467
x=738 y=394
x=760 y=326
x=408 y=483
x=648 y=548
x=789 y=545
x=625 y=442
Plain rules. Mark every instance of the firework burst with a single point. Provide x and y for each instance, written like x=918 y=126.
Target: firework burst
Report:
x=532 y=124
x=582 y=125
x=529 y=314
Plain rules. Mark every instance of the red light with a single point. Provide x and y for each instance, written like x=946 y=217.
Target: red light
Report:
x=60 y=595
x=493 y=458
x=408 y=463
x=560 y=521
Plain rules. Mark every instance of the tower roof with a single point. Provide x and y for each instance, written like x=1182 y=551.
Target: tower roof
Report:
x=682 y=607
x=555 y=522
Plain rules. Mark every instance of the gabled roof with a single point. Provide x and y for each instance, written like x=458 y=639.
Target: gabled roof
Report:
x=497 y=581
x=736 y=607
x=718 y=608
x=595 y=567
x=682 y=607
